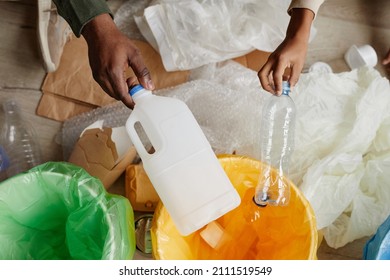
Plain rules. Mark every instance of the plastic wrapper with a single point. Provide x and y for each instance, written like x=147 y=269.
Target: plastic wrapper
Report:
x=342 y=151
x=58 y=211
x=248 y=231
x=192 y=33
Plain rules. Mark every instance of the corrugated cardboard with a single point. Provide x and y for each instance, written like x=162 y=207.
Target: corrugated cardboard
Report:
x=97 y=153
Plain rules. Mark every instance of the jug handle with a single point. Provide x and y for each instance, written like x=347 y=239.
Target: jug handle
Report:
x=130 y=128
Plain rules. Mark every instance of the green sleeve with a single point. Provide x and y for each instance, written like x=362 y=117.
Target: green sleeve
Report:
x=79 y=12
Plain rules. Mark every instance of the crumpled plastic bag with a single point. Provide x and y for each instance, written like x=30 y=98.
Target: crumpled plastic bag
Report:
x=192 y=33
x=342 y=153
x=58 y=211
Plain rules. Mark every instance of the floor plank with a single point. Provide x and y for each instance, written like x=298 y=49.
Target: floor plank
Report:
x=46 y=130
x=373 y=13
x=351 y=251
x=334 y=37
x=20 y=61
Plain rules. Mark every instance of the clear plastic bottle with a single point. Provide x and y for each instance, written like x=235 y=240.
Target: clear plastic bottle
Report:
x=277 y=145
x=18 y=140
x=182 y=166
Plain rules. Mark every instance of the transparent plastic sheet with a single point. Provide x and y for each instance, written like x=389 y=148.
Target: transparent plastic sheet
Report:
x=249 y=231
x=192 y=33
x=58 y=211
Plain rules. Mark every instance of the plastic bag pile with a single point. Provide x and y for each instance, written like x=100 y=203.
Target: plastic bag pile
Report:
x=342 y=156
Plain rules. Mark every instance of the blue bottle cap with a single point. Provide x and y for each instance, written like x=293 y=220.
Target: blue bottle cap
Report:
x=135 y=89
x=286 y=88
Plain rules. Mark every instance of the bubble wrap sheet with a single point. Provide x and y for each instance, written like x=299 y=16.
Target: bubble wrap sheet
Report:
x=124 y=18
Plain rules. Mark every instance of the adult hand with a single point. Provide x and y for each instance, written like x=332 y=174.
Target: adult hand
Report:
x=110 y=54
x=290 y=54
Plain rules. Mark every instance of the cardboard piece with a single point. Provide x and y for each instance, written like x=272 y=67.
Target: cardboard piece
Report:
x=98 y=152
x=60 y=108
x=139 y=190
x=253 y=60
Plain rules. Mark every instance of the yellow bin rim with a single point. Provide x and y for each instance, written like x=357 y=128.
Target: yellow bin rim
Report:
x=243 y=172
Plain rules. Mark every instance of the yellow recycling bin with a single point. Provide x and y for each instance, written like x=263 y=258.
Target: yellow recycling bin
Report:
x=247 y=232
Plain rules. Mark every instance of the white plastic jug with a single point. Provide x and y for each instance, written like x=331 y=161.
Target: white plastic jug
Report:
x=183 y=168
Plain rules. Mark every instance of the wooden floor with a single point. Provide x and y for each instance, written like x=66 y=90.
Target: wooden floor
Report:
x=339 y=25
